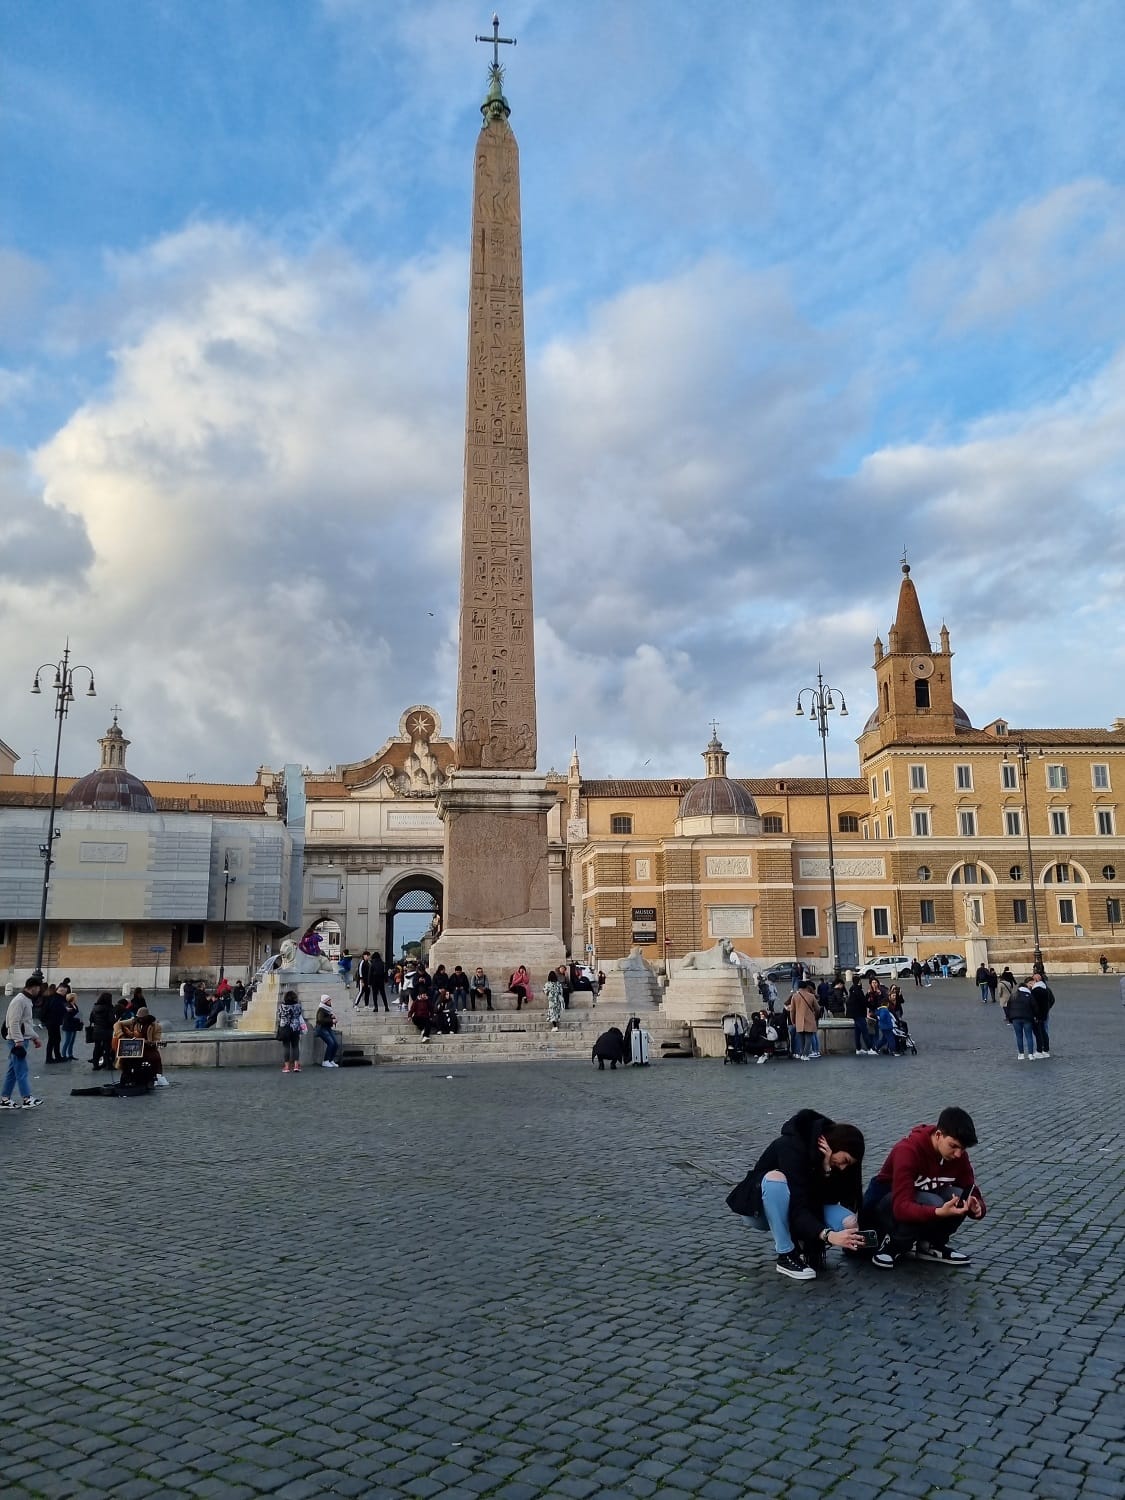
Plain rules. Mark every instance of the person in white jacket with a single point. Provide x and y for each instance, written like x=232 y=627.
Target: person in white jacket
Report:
x=19 y=1029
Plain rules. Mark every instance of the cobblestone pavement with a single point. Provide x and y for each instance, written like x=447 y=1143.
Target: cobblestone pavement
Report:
x=522 y=1281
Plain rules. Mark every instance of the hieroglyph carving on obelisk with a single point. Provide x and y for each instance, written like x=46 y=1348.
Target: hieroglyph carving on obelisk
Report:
x=496 y=676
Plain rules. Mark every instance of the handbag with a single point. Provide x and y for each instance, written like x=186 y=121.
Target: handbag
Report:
x=771 y=1033
x=89 y=1033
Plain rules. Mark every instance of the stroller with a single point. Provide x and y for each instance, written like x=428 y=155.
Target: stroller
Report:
x=736 y=1034
x=904 y=1042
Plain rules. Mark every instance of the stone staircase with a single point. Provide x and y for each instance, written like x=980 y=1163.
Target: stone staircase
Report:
x=493 y=1036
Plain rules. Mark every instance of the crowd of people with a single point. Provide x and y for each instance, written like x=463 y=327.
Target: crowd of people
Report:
x=806 y=1190
x=110 y=1024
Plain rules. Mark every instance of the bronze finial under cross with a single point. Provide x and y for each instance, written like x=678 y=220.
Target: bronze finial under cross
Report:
x=497 y=41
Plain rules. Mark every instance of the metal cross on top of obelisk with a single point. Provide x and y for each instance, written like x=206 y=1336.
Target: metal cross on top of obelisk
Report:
x=497 y=41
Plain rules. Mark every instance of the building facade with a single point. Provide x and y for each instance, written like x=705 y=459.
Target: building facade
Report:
x=949 y=833
x=150 y=882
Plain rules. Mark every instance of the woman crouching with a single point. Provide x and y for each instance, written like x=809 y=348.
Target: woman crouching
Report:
x=805 y=1189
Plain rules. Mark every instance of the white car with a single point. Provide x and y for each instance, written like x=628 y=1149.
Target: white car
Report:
x=896 y=966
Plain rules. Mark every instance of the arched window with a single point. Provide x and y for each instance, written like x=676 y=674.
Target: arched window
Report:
x=921 y=694
x=849 y=823
x=771 y=823
x=970 y=875
x=621 y=823
x=886 y=699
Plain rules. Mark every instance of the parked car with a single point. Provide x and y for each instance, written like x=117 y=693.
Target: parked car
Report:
x=894 y=966
x=956 y=962
x=782 y=973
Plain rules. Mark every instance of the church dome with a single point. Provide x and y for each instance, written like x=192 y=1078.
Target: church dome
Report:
x=111 y=788
x=960 y=718
x=718 y=797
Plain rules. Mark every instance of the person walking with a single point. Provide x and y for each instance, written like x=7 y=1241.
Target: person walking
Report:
x=325 y=1029
x=19 y=1029
x=101 y=1031
x=71 y=1026
x=344 y=967
x=363 y=980
x=981 y=982
x=916 y=970
x=1005 y=987
x=378 y=972
x=553 y=993
x=290 y=1024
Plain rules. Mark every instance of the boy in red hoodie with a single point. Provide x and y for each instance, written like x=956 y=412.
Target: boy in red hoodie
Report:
x=923 y=1191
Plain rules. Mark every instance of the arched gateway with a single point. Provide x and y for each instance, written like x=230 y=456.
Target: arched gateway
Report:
x=413 y=912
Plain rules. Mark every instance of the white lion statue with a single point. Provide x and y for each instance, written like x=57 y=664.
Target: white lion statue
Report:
x=293 y=961
x=709 y=958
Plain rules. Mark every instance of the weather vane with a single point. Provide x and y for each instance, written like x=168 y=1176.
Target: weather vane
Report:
x=497 y=42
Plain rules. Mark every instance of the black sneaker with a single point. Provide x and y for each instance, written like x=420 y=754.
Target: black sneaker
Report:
x=886 y=1258
x=795 y=1266
x=941 y=1255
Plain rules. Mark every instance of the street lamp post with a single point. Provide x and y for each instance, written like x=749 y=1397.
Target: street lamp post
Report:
x=1022 y=754
x=228 y=881
x=823 y=699
x=63 y=686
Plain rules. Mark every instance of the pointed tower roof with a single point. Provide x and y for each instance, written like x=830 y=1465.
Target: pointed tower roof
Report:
x=910 y=632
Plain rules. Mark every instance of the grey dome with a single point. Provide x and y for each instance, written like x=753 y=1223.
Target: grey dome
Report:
x=718 y=797
x=110 y=789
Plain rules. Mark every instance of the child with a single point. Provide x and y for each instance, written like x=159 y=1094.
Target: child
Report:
x=884 y=1019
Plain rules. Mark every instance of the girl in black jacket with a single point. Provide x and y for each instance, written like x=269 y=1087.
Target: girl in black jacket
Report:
x=806 y=1186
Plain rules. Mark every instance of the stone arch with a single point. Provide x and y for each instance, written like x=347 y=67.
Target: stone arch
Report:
x=414 y=892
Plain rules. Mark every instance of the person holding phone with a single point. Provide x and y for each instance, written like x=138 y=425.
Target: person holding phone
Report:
x=923 y=1191
x=805 y=1190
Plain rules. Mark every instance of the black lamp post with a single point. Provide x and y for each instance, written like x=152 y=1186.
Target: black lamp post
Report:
x=228 y=881
x=63 y=686
x=1022 y=755
x=823 y=699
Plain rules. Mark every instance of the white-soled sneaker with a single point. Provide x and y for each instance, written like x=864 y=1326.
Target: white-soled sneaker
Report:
x=795 y=1266
x=940 y=1255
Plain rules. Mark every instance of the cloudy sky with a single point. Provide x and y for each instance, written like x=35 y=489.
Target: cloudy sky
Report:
x=807 y=283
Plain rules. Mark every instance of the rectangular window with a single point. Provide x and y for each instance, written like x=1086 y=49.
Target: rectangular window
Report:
x=1058 y=821
x=1057 y=778
x=921 y=825
x=878 y=834
x=1008 y=778
x=887 y=781
x=808 y=922
x=621 y=823
x=917 y=778
x=1113 y=910
x=890 y=825
x=1013 y=823
x=874 y=789
x=1105 y=821
x=967 y=822
x=926 y=912
x=1062 y=874
x=97 y=934
x=882 y=919
x=194 y=934
x=1101 y=778
x=1019 y=912
x=976 y=906
x=1066 y=911
x=964 y=778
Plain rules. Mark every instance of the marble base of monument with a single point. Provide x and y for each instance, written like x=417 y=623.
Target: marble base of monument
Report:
x=695 y=995
x=631 y=982
x=497 y=890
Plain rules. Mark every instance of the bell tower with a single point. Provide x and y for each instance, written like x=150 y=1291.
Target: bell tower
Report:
x=913 y=681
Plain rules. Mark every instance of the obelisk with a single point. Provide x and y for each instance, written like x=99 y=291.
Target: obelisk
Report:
x=497 y=895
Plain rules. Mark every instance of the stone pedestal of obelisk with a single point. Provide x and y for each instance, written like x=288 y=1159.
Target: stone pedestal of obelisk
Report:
x=497 y=895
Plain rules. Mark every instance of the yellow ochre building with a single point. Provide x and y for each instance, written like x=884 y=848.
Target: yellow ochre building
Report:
x=951 y=835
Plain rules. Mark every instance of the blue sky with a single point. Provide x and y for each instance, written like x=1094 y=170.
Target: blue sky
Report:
x=806 y=283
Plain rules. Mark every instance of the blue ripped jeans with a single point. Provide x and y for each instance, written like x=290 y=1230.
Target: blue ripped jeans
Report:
x=775 y=1215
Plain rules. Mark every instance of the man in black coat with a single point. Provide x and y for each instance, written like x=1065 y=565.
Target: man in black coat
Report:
x=363 y=980
x=609 y=1048
x=377 y=971
x=54 y=1013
